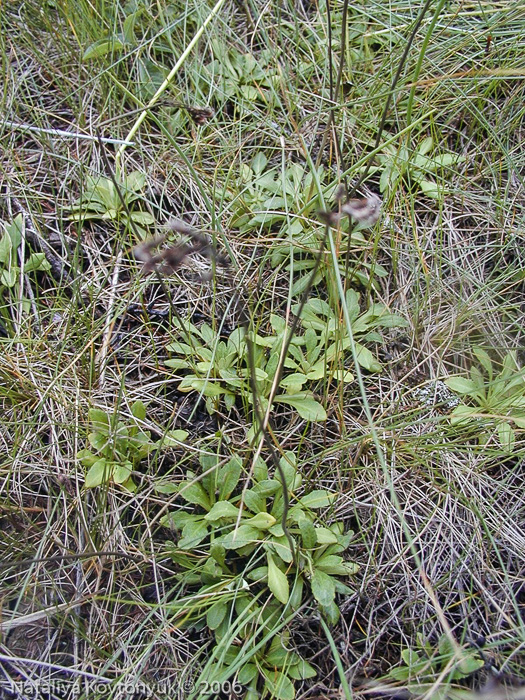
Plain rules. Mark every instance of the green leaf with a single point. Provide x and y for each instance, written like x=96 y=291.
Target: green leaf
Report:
x=8 y=277
x=277 y=581
x=193 y=492
x=463 y=414
x=36 y=261
x=262 y=521
x=98 y=440
x=122 y=472
x=307 y=407
x=173 y=438
x=247 y=673
x=462 y=385
x=178 y=519
x=143 y=218
x=98 y=474
x=5 y=248
x=366 y=359
x=281 y=546
x=484 y=360
x=331 y=613
x=222 y=509
x=254 y=501
x=323 y=587
x=267 y=487
x=317 y=499
x=242 y=536
x=193 y=533
x=326 y=536
x=216 y=614
x=229 y=476
x=87 y=458
x=102 y=47
x=469 y=665
x=302 y=670
x=138 y=409
x=429 y=187
x=506 y=436
x=308 y=533
x=100 y=419
x=278 y=685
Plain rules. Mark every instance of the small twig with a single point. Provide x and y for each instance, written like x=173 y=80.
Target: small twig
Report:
x=65 y=134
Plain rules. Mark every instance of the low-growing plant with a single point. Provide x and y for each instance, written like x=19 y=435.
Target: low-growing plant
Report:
x=248 y=560
x=421 y=667
x=100 y=200
x=268 y=194
x=319 y=317
x=498 y=399
x=269 y=198
x=10 y=269
x=219 y=369
x=397 y=163
x=119 y=447
x=242 y=77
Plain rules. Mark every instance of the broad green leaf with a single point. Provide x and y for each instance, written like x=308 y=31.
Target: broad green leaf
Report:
x=323 y=587
x=98 y=440
x=254 y=501
x=258 y=574
x=462 y=385
x=326 y=536
x=307 y=407
x=262 y=521
x=5 y=248
x=122 y=472
x=281 y=547
x=463 y=414
x=36 y=261
x=330 y=612
x=293 y=383
x=308 y=533
x=301 y=670
x=178 y=519
x=410 y=657
x=102 y=47
x=484 y=359
x=173 y=438
x=267 y=487
x=469 y=665
x=278 y=685
x=506 y=436
x=277 y=581
x=216 y=614
x=229 y=476
x=366 y=359
x=98 y=474
x=240 y=537
x=143 y=218
x=193 y=492
x=138 y=409
x=318 y=498
x=247 y=673
x=8 y=277
x=100 y=419
x=87 y=457
x=222 y=509
x=425 y=146
x=192 y=534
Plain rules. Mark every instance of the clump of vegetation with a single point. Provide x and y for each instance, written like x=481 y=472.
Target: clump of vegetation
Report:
x=249 y=558
x=358 y=378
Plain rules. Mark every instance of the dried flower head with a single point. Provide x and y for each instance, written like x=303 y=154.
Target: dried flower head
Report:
x=366 y=211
